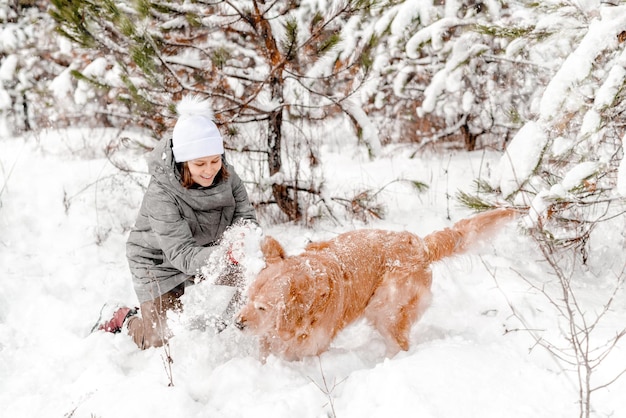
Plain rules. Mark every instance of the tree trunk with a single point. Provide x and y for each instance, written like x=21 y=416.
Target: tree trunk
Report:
x=288 y=204
x=468 y=137
x=285 y=202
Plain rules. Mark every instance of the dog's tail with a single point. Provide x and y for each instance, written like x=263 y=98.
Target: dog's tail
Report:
x=462 y=234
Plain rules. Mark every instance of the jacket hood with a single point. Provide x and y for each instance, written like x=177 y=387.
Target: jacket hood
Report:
x=162 y=166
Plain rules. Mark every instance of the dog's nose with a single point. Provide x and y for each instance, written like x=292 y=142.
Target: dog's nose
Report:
x=240 y=323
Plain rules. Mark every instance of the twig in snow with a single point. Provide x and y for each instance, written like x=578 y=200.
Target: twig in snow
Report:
x=326 y=390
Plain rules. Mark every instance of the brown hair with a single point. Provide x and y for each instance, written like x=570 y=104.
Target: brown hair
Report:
x=187 y=181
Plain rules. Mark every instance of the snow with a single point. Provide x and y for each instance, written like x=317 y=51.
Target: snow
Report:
x=10 y=38
x=610 y=88
x=577 y=174
x=64 y=217
x=7 y=69
x=621 y=180
x=61 y=85
x=521 y=158
x=65 y=212
x=5 y=101
x=602 y=34
x=433 y=33
x=369 y=133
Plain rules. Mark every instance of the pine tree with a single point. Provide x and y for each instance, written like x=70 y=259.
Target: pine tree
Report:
x=29 y=57
x=456 y=72
x=569 y=178
x=278 y=68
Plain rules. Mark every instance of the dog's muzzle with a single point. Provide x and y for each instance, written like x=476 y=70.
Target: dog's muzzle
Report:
x=240 y=323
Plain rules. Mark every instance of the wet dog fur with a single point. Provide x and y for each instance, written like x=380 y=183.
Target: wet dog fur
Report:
x=298 y=304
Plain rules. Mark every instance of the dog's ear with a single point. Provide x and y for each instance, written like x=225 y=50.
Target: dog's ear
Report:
x=272 y=250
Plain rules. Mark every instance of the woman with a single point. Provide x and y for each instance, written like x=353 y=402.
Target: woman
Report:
x=192 y=198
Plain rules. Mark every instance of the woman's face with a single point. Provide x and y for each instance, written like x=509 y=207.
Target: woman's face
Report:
x=203 y=170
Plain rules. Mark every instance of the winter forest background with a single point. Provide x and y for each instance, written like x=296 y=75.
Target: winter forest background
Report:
x=536 y=88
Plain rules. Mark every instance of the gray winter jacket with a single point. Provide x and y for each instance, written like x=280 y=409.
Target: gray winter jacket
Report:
x=176 y=227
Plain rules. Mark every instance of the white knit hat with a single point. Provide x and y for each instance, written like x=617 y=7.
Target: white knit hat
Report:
x=195 y=134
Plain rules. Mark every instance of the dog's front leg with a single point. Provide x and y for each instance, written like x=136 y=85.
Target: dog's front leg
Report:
x=264 y=349
x=397 y=304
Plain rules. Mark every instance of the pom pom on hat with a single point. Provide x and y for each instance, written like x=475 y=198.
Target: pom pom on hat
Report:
x=195 y=134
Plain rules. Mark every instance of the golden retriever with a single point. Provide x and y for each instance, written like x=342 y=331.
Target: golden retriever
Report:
x=298 y=304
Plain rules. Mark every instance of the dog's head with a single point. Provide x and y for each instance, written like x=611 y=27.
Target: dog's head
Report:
x=285 y=300
x=265 y=293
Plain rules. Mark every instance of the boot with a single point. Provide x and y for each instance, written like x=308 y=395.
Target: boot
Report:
x=118 y=319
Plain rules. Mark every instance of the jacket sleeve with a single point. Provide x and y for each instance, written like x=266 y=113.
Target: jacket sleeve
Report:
x=243 y=208
x=174 y=235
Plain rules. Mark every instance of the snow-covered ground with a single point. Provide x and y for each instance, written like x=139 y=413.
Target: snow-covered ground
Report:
x=64 y=215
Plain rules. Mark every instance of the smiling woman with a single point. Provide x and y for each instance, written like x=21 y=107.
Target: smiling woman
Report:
x=193 y=197
x=203 y=171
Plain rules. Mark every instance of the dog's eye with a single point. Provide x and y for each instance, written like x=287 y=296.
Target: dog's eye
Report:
x=259 y=307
